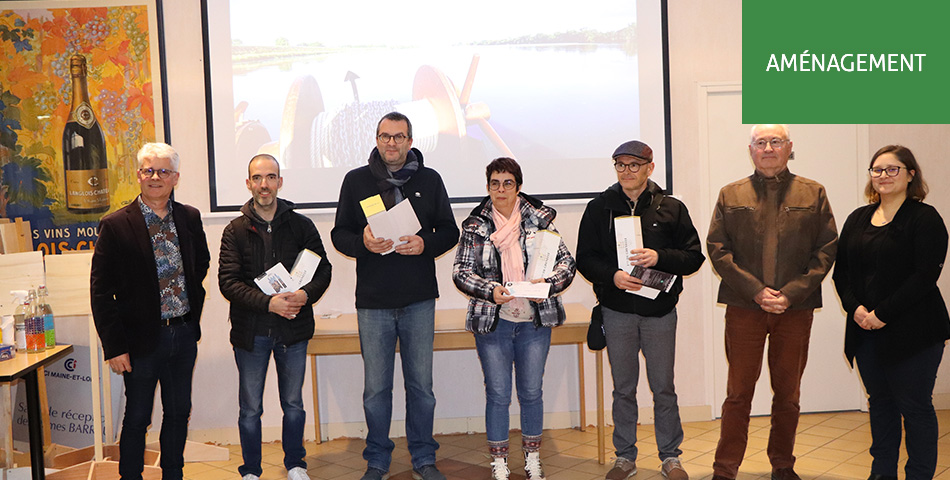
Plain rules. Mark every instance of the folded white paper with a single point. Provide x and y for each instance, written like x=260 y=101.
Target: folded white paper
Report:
x=304 y=267
x=277 y=280
x=396 y=222
x=544 y=256
x=628 y=235
x=647 y=292
x=528 y=289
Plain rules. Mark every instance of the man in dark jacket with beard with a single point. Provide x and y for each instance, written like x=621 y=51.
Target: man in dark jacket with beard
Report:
x=396 y=291
x=634 y=323
x=270 y=232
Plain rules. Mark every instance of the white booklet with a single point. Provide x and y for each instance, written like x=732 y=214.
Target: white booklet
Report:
x=304 y=267
x=391 y=224
x=629 y=235
x=278 y=280
x=529 y=290
x=275 y=280
x=544 y=256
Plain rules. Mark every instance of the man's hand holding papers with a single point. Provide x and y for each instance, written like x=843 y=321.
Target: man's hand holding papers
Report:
x=399 y=223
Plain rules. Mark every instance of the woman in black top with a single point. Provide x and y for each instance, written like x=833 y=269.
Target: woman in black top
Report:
x=890 y=255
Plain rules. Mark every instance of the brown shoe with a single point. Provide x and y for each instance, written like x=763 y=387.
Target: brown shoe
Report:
x=785 y=474
x=623 y=469
x=672 y=469
x=720 y=477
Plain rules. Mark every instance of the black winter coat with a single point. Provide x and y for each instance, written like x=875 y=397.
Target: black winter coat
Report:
x=242 y=260
x=394 y=281
x=667 y=229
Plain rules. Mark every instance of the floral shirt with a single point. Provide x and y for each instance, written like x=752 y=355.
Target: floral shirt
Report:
x=171 y=273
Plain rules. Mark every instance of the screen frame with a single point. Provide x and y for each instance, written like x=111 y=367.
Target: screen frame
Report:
x=567 y=196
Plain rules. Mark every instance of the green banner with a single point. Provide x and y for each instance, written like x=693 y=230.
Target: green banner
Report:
x=845 y=61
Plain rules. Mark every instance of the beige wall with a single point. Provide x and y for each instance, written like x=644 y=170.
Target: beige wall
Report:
x=705 y=42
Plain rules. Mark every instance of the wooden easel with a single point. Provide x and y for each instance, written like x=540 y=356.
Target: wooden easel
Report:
x=67 y=277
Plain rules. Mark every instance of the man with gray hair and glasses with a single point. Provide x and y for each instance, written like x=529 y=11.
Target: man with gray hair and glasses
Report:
x=147 y=269
x=772 y=240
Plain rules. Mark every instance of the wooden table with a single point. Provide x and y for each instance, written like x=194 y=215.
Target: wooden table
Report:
x=24 y=366
x=340 y=336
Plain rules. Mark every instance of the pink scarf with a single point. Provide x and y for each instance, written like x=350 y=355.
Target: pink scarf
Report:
x=507 y=238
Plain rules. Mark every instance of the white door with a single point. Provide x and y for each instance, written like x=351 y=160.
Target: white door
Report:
x=835 y=156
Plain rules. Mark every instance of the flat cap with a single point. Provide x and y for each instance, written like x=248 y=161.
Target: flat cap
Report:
x=635 y=148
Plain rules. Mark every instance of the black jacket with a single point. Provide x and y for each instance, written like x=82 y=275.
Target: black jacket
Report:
x=915 y=247
x=667 y=229
x=126 y=303
x=242 y=260
x=394 y=280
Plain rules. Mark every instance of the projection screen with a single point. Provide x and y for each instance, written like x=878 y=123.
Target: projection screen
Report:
x=557 y=85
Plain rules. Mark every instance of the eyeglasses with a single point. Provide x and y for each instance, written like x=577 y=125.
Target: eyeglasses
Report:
x=270 y=177
x=495 y=184
x=399 y=138
x=634 y=167
x=876 y=172
x=163 y=173
x=776 y=143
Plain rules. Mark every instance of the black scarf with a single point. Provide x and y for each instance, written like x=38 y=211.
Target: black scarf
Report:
x=390 y=183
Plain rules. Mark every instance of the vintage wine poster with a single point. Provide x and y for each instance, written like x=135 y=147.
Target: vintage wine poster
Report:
x=79 y=94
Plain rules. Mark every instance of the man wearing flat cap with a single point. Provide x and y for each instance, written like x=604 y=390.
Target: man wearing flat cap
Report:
x=634 y=323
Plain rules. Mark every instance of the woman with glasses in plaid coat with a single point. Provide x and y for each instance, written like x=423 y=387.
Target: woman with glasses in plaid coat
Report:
x=498 y=238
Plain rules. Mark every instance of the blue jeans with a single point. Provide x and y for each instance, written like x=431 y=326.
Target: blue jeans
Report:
x=291 y=363
x=414 y=327
x=172 y=364
x=527 y=347
x=628 y=335
x=901 y=390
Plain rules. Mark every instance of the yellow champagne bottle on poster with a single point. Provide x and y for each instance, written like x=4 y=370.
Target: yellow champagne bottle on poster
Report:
x=84 y=149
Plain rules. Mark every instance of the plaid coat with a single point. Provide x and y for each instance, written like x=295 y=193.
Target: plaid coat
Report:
x=478 y=265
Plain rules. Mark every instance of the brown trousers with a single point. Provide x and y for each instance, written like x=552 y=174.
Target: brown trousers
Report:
x=746 y=333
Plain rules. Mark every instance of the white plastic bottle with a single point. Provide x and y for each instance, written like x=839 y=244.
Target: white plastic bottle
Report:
x=19 y=319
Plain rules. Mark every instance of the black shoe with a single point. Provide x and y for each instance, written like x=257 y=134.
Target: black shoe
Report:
x=785 y=474
x=875 y=476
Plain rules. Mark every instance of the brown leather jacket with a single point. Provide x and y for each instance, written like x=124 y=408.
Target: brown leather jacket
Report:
x=807 y=240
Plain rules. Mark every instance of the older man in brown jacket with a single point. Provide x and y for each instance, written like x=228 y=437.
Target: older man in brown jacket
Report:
x=772 y=239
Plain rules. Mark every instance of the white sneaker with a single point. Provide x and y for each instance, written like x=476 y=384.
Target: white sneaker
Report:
x=499 y=469
x=532 y=466
x=250 y=476
x=297 y=473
